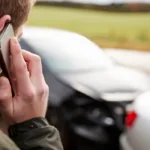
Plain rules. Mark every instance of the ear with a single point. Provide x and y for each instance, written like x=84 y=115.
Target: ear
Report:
x=3 y=20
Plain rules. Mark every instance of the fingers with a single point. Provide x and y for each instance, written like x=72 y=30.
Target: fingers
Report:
x=35 y=69
x=28 y=69
x=12 y=76
x=34 y=63
x=31 y=98
x=20 y=67
x=5 y=95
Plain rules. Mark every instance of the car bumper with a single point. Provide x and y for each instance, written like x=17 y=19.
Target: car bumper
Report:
x=124 y=143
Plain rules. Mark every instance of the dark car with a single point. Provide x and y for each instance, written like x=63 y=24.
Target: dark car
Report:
x=88 y=91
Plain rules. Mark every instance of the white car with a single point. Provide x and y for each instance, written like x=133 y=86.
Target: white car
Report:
x=137 y=134
x=130 y=58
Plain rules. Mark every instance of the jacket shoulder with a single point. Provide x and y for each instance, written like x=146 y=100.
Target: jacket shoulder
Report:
x=6 y=143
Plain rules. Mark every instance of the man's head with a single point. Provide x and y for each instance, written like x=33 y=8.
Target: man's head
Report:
x=16 y=12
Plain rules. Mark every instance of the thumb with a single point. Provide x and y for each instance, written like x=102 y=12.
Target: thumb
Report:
x=5 y=96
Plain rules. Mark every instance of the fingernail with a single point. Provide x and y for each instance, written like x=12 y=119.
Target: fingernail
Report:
x=3 y=82
x=15 y=46
x=14 y=40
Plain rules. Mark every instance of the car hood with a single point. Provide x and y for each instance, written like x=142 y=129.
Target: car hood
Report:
x=114 y=84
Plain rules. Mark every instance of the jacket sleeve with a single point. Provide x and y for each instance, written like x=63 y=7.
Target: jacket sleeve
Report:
x=35 y=134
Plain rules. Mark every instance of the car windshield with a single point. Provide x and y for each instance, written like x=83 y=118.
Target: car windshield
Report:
x=69 y=54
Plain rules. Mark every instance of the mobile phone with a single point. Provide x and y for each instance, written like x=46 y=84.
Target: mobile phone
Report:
x=5 y=36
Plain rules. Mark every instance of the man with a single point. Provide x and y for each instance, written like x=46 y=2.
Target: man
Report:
x=25 y=112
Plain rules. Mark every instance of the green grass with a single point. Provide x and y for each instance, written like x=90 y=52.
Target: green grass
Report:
x=123 y=30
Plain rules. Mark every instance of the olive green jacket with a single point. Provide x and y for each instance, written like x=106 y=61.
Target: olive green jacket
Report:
x=35 y=134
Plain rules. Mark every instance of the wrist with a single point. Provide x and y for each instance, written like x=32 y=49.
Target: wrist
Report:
x=26 y=126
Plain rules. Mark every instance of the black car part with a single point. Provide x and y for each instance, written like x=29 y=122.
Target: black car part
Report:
x=88 y=124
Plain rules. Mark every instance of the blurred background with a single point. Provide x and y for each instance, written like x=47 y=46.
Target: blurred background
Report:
x=96 y=72
x=112 y=24
x=109 y=23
